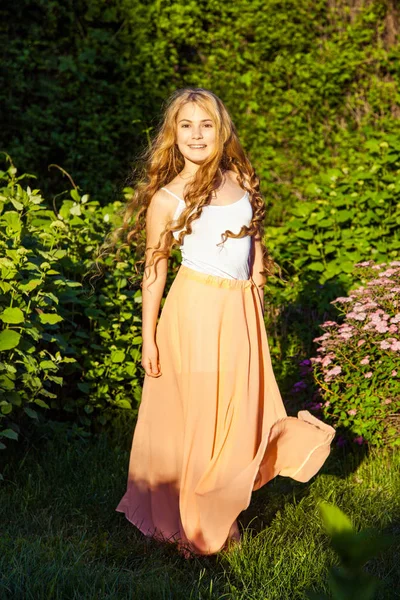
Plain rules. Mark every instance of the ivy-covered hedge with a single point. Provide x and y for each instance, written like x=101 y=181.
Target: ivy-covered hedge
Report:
x=306 y=82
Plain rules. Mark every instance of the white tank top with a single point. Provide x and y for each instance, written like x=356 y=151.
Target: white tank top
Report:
x=199 y=249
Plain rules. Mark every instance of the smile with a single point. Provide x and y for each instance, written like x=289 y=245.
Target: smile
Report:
x=197 y=146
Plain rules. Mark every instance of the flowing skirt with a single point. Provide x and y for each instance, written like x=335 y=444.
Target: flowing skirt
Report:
x=212 y=427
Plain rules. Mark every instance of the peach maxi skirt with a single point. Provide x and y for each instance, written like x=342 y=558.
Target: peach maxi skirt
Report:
x=212 y=427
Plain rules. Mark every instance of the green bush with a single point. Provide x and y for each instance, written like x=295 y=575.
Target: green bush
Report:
x=351 y=215
x=68 y=350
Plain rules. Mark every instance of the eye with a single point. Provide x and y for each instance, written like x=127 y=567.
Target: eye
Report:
x=208 y=124
x=185 y=125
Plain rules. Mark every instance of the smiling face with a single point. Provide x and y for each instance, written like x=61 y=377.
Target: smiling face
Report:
x=195 y=134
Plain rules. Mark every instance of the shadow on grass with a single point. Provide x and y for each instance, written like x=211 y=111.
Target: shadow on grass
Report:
x=275 y=495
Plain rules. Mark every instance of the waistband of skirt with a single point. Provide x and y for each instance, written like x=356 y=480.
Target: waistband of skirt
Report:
x=214 y=280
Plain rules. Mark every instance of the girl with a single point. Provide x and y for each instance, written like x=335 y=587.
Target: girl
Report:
x=211 y=425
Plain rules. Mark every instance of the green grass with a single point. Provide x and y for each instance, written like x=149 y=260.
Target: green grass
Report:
x=62 y=538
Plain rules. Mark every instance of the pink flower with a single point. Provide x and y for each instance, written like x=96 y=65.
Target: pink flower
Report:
x=360 y=343
x=365 y=263
x=335 y=371
x=392 y=329
x=342 y=300
x=385 y=345
x=358 y=316
x=395 y=346
x=387 y=401
x=328 y=359
x=381 y=327
x=396 y=318
x=368 y=375
x=361 y=316
x=365 y=361
x=369 y=305
x=359 y=440
x=327 y=403
x=346 y=335
x=322 y=337
x=329 y=324
x=394 y=373
x=352 y=412
x=388 y=273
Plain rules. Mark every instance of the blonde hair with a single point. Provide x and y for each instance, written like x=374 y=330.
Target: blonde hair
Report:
x=163 y=161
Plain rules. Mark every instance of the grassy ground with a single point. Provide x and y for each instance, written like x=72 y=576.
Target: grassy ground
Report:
x=62 y=538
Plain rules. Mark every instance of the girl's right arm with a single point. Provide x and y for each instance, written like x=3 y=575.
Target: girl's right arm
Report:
x=153 y=284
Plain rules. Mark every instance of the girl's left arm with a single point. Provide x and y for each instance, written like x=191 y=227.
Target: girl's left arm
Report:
x=257 y=266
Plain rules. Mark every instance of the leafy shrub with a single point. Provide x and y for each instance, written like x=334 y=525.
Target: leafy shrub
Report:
x=32 y=353
x=358 y=368
x=351 y=215
x=66 y=349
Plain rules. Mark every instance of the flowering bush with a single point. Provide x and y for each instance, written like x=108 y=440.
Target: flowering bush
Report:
x=357 y=369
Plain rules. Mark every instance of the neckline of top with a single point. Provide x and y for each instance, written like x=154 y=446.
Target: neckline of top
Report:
x=211 y=205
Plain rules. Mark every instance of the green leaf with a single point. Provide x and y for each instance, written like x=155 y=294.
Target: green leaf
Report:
x=9 y=433
x=123 y=404
x=12 y=220
x=9 y=339
x=335 y=521
x=30 y=285
x=30 y=412
x=343 y=215
x=6 y=407
x=304 y=235
x=48 y=365
x=347 y=267
x=74 y=195
x=41 y=403
x=84 y=387
x=326 y=223
x=117 y=356
x=316 y=266
x=12 y=315
x=50 y=318
x=17 y=204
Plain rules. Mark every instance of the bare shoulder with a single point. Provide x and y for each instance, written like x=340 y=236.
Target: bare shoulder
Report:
x=162 y=205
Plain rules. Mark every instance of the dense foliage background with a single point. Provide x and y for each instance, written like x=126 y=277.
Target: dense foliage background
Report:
x=308 y=82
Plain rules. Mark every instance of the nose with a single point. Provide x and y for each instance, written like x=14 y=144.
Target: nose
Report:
x=196 y=133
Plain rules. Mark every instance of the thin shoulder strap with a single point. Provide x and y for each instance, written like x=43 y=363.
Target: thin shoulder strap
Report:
x=172 y=193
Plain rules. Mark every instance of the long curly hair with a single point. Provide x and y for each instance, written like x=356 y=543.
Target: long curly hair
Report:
x=163 y=161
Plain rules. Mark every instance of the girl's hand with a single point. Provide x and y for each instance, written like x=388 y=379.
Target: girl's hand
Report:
x=150 y=361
